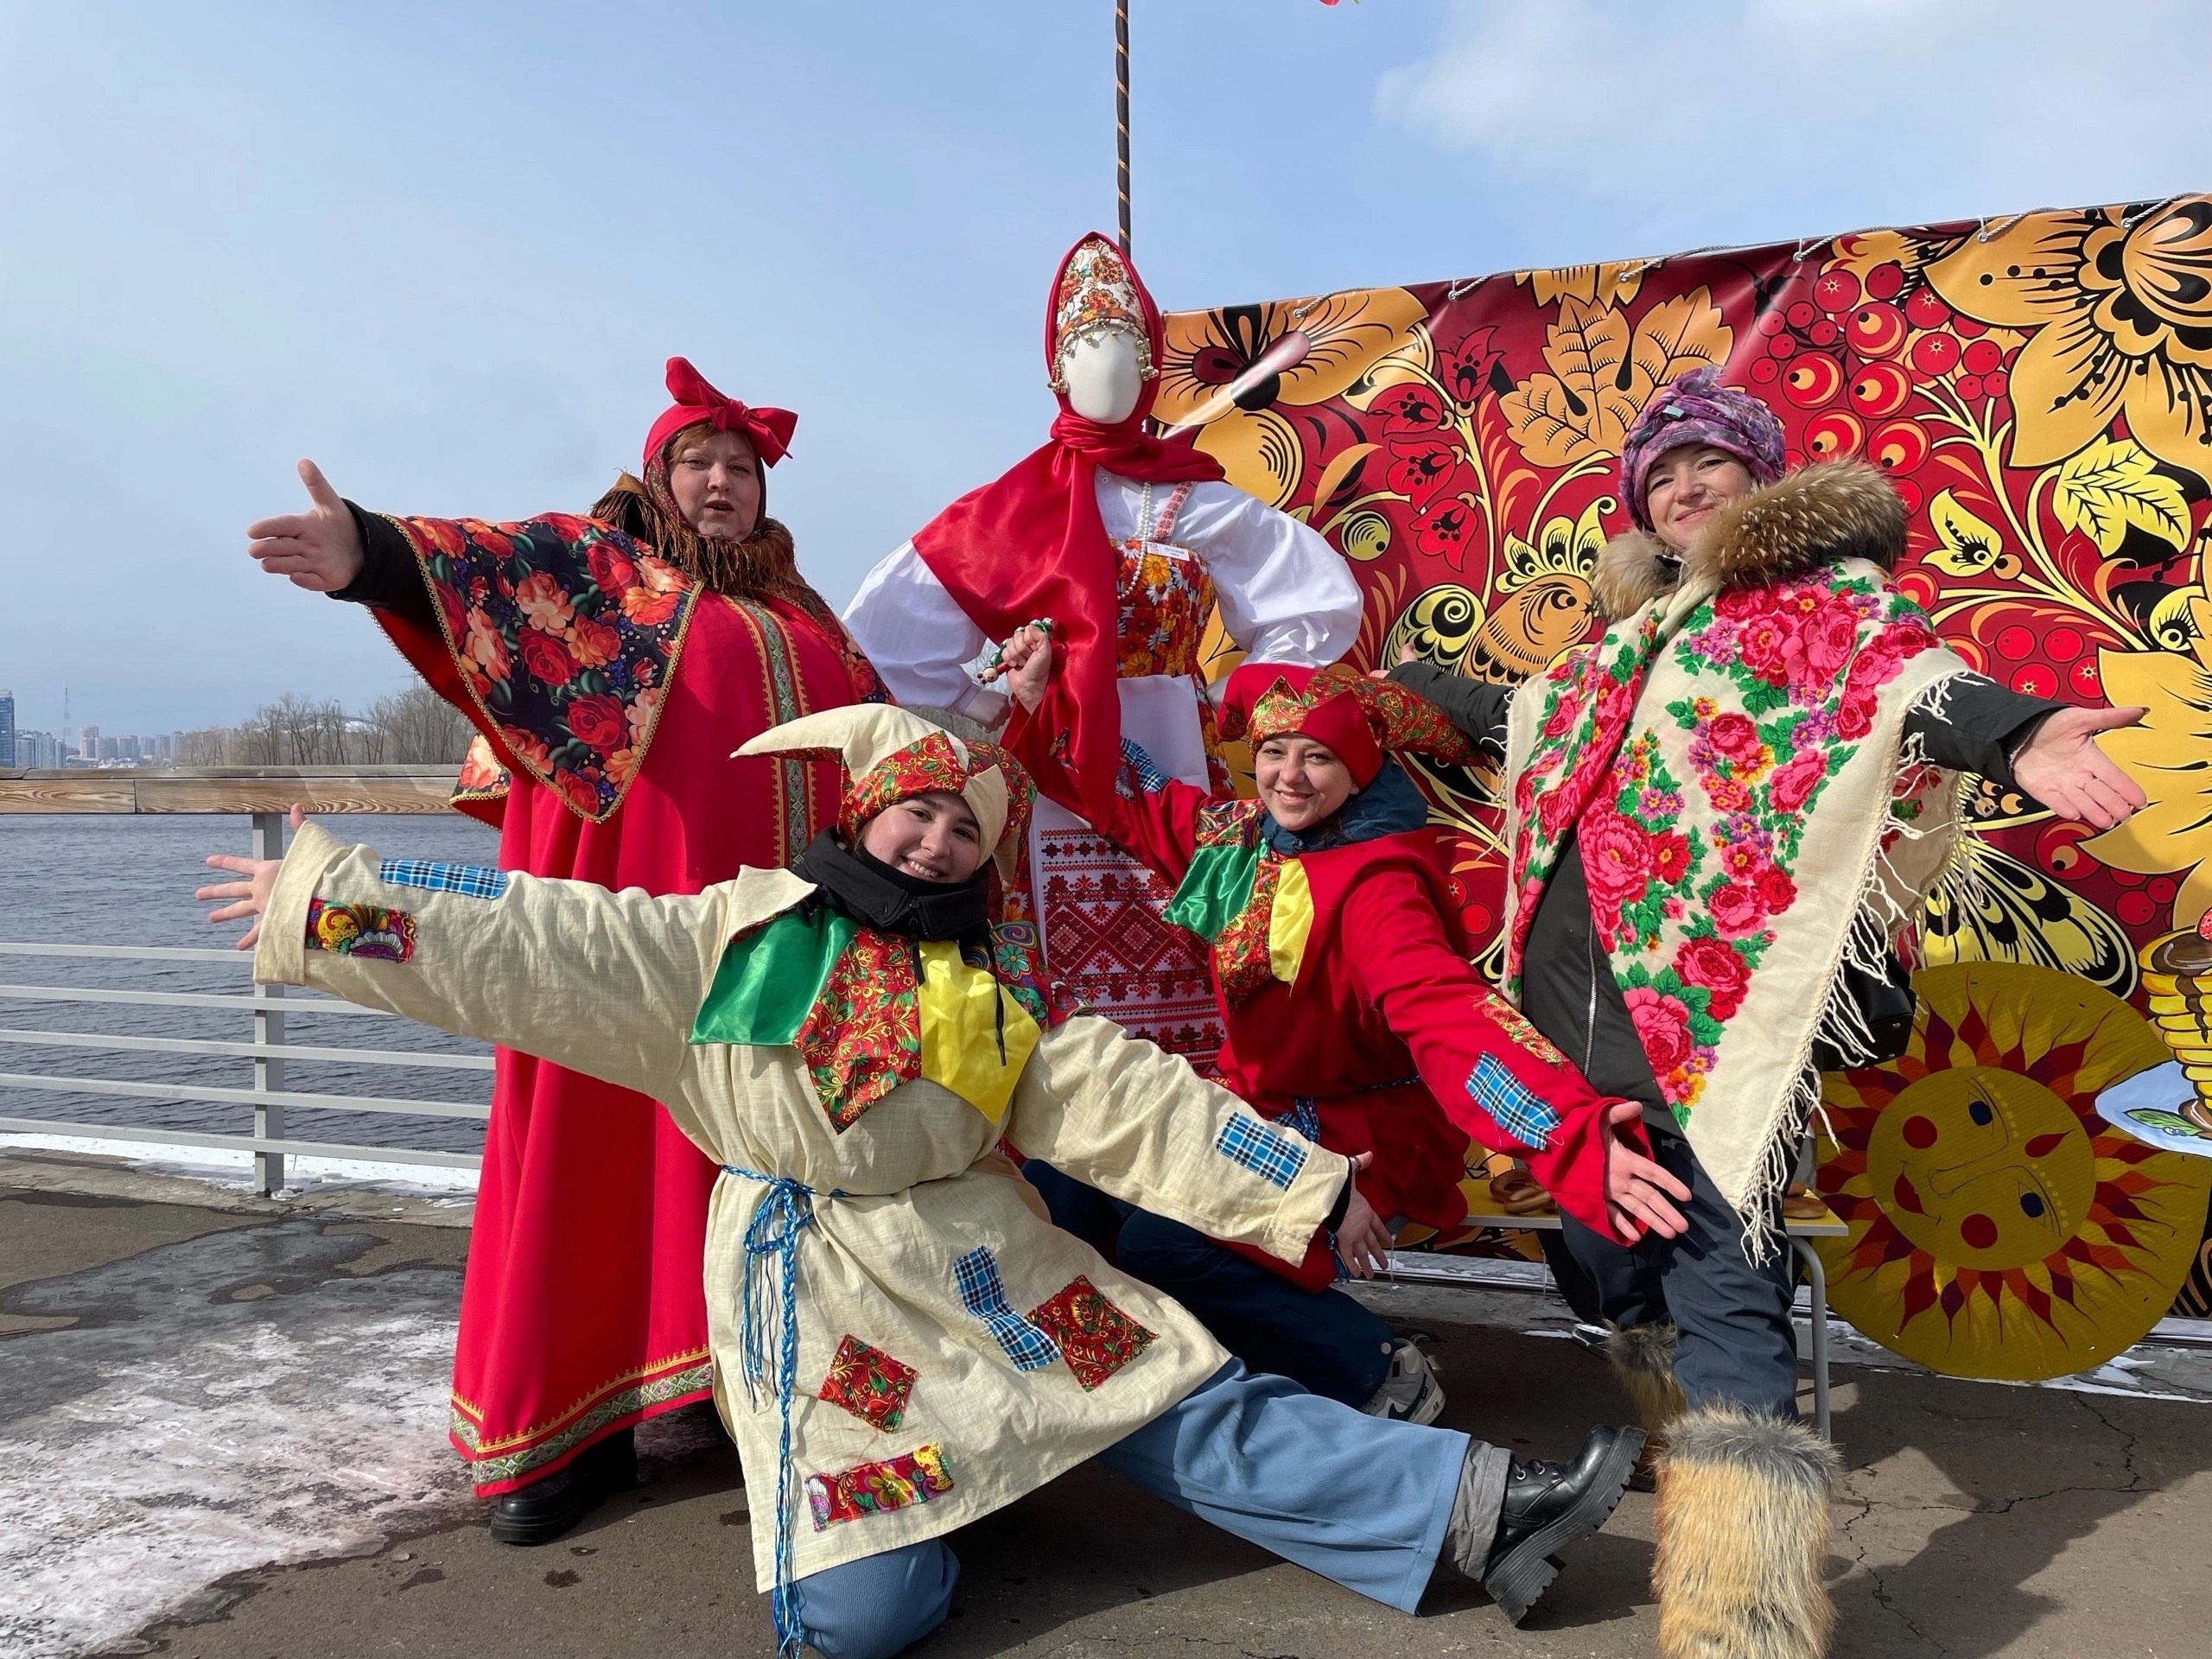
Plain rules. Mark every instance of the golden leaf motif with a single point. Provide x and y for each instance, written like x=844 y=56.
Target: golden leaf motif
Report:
x=1563 y=547
x=1613 y=284
x=2114 y=483
x=1218 y=364
x=1603 y=373
x=2169 y=756
x=1970 y=546
x=1440 y=626
x=1259 y=453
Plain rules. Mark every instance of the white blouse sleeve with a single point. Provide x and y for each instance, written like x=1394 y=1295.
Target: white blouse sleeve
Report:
x=918 y=638
x=1285 y=595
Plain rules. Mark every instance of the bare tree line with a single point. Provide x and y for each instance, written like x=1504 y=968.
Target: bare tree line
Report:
x=412 y=727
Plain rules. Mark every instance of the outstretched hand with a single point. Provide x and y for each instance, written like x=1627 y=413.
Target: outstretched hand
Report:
x=1364 y=1243
x=2062 y=767
x=318 y=550
x=1636 y=1189
x=250 y=896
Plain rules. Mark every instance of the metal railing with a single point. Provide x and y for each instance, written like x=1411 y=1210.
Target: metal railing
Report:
x=261 y=793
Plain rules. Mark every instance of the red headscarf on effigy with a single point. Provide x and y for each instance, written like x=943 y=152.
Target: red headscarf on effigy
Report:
x=1031 y=544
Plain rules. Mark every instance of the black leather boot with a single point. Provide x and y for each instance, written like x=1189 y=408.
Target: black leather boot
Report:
x=542 y=1511
x=1548 y=1506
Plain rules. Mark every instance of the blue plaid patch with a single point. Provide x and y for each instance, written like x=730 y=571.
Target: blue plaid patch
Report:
x=1274 y=1158
x=1140 y=774
x=1505 y=1098
x=983 y=1293
x=471 y=880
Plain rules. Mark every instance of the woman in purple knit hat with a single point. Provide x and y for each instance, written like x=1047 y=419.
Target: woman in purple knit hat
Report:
x=1722 y=811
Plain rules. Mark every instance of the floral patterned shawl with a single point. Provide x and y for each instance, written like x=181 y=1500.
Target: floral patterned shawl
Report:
x=1731 y=761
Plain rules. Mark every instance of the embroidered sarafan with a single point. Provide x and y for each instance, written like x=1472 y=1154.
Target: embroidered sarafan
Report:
x=876 y=1488
x=370 y=932
x=1096 y=1338
x=565 y=632
x=868 y=1382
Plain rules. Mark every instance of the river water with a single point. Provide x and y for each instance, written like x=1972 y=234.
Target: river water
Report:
x=128 y=881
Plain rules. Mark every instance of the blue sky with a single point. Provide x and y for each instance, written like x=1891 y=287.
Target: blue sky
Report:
x=445 y=249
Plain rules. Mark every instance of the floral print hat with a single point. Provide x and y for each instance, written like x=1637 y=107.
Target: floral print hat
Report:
x=1359 y=718
x=1697 y=409
x=892 y=754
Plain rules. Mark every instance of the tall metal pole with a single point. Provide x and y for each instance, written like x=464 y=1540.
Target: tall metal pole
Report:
x=1121 y=111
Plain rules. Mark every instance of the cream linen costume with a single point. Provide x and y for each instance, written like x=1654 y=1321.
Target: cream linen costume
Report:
x=608 y=985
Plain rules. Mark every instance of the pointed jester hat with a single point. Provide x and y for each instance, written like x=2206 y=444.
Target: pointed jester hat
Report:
x=892 y=754
x=1360 y=719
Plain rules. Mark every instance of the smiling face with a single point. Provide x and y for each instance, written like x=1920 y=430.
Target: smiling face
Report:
x=715 y=478
x=1301 y=782
x=934 y=838
x=1686 y=485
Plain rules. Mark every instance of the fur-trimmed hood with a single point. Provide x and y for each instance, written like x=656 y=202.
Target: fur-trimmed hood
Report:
x=1816 y=516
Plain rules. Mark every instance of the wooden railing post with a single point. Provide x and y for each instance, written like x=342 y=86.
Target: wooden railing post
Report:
x=268 y=1028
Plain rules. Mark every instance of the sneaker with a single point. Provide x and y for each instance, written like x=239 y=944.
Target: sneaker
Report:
x=1410 y=1392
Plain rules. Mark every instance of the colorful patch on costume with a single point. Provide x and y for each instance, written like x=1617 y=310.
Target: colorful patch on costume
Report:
x=1096 y=1338
x=1305 y=1116
x=1022 y=971
x=1518 y=1111
x=470 y=880
x=1273 y=1156
x=565 y=633
x=1140 y=774
x=877 y=1488
x=1521 y=1029
x=868 y=1382
x=983 y=1293
x=863 y=1036
x=369 y=932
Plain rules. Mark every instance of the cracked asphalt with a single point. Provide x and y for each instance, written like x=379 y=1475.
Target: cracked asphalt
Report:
x=221 y=1435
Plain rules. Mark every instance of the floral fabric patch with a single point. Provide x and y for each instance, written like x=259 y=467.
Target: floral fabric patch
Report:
x=863 y=1036
x=369 y=932
x=868 y=1382
x=1518 y=1110
x=983 y=1293
x=470 y=880
x=1096 y=1338
x=877 y=1488
x=1521 y=1029
x=1273 y=1156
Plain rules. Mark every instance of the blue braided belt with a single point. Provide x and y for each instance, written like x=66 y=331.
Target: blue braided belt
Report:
x=772 y=1237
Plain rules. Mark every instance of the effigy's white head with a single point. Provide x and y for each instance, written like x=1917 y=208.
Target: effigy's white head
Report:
x=1104 y=374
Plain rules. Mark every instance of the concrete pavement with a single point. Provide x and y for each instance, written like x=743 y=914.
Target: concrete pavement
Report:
x=225 y=1417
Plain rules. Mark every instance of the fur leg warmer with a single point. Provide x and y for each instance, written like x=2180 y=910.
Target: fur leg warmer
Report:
x=1643 y=1358
x=1643 y=1362
x=1743 y=1529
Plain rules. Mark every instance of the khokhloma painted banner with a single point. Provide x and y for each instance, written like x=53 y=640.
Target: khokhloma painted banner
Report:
x=2038 y=388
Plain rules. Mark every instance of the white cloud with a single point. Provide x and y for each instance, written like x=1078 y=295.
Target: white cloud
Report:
x=1926 y=107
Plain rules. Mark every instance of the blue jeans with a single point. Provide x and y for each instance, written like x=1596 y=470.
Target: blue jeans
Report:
x=1324 y=1341
x=1360 y=1500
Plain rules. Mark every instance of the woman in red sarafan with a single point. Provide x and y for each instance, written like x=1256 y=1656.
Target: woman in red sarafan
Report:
x=1352 y=1009
x=561 y=638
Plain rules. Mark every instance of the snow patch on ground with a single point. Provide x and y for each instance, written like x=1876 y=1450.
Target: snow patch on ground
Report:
x=228 y=1402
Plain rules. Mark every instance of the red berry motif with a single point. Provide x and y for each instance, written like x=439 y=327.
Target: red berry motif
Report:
x=1782 y=345
x=1935 y=354
x=1824 y=333
x=1836 y=292
x=1875 y=330
x=1886 y=282
x=1982 y=356
x=1879 y=390
x=1926 y=309
x=1835 y=434
x=1812 y=380
x=1802 y=314
x=1899 y=447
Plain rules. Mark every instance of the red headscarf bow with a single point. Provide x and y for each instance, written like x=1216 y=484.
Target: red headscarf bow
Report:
x=769 y=430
